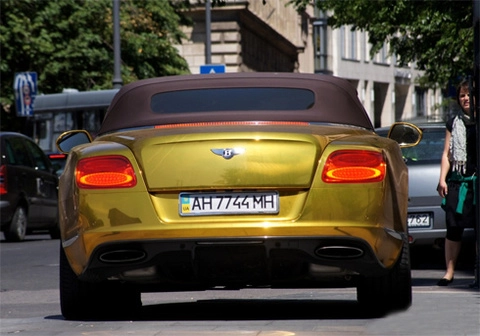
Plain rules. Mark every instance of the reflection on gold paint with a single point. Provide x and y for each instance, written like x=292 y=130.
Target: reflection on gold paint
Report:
x=266 y=225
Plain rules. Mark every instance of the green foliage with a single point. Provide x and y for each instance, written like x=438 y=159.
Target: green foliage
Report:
x=69 y=43
x=437 y=35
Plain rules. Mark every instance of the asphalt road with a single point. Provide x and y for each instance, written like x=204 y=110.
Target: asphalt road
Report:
x=29 y=304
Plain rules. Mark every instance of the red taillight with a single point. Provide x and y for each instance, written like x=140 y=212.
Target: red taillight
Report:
x=57 y=156
x=3 y=180
x=354 y=166
x=113 y=171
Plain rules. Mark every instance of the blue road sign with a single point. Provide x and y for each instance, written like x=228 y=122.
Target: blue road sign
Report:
x=212 y=68
x=25 y=88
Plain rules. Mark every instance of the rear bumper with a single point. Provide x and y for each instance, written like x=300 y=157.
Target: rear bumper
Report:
x=240 y=262
x=436 y=232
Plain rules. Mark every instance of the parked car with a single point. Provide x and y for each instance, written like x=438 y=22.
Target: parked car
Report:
x=426 y=218
x=236 y=179
x=28 y=188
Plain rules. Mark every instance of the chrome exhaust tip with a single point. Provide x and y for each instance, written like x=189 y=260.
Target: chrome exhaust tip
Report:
x=122 y=256
x=339 y=252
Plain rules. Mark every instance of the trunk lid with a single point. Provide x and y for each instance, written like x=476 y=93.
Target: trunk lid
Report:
x=229 y=161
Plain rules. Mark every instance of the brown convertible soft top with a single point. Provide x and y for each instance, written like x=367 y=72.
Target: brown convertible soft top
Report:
x=335 y=100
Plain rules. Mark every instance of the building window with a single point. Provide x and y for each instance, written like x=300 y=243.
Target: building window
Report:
x=320 y=45
x=419 y=98
x=382 y=56
x=349 y=42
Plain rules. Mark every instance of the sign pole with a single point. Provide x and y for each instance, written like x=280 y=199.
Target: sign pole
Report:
x=208 y=49
x=476 y=27
x=117 y=76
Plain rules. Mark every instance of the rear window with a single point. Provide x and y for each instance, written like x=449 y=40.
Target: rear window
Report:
x=232 y=99
x=429 y=150
x=17 y=153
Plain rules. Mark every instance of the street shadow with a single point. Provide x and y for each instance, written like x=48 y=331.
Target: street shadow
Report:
x=433 y=258
x=30 y=237
x=458 y=283
x=240 y=310
x=247 y=310
x=427 y=258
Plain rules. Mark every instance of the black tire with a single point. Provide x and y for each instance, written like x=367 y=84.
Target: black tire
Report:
x=81 y=300
x=17 y=229
x=390 y=292
x=401 y=280
x=55 y=233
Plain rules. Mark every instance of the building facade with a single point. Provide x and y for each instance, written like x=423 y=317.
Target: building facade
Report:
x=269 y=35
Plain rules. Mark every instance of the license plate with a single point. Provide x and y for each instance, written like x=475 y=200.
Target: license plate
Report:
x=419 y=220
x=203 y=204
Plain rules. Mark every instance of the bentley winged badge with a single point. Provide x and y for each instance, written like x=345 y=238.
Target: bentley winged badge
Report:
x=228 y=153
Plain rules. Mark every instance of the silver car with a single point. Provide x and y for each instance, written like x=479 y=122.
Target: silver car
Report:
x=426 y=219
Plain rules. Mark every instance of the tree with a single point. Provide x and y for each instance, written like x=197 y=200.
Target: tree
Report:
x=436 y=35
x=69 y=43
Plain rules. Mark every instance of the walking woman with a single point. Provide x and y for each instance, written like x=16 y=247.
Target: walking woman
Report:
x=457 y=179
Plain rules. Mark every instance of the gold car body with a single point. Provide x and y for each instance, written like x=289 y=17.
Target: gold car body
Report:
x=168 y=163
x=251 y=179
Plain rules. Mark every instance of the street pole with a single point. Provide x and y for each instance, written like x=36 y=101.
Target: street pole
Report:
x=476 y=74
x=208 y=49
x=117 y=77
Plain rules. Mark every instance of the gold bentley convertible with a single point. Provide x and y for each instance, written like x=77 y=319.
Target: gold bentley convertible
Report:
x=233 y=180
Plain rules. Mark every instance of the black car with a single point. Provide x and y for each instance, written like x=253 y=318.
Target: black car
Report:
x=28 y=188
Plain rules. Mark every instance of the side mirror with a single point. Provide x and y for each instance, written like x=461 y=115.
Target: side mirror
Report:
x=67 y=140
x=406 y=134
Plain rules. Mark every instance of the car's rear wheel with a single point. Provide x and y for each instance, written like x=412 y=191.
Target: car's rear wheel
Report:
x=401 y=278
x=55 y=233
x=17 y=229
x=81 y=300
x=391 y=292
x=55 y=230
